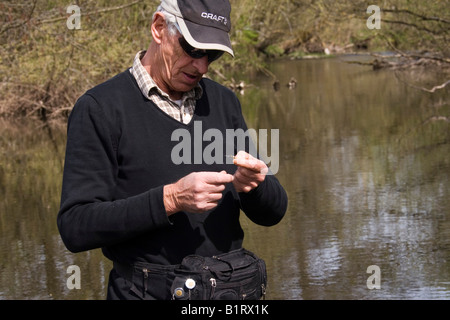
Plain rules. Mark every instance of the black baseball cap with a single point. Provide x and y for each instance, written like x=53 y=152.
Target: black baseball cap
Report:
x=205 y=24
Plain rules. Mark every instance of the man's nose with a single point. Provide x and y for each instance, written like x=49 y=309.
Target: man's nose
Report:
x=201 y=64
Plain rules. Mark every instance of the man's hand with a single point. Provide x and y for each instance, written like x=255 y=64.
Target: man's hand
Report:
x=250 y=173
x=197 y=192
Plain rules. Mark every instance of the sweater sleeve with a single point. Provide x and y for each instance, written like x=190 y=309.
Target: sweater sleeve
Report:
x=265 y=205
x=89 y=216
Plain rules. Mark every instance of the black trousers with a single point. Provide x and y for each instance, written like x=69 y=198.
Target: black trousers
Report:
x=140 y=283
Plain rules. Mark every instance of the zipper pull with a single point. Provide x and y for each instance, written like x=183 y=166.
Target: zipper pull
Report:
x=145 y=271
x=213 y=287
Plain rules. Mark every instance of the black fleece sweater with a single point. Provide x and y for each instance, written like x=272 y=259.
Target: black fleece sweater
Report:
x=118 y=158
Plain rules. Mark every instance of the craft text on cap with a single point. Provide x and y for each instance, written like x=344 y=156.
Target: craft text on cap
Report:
x=205 y=24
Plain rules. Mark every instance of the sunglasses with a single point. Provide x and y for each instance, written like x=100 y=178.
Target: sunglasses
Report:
x=199 y=53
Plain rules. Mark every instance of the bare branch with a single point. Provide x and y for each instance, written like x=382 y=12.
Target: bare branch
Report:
x=432 y=90
x=422 y=17
x=413 y=55
x=39 y=20
x=437 y=118
x=20 y=23
x=410 y=25
x=92 y=13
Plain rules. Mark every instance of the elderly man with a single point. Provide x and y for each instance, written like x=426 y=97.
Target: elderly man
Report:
x=122 y=191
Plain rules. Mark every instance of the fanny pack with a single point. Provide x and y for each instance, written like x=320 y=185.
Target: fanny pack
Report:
x=236 y=275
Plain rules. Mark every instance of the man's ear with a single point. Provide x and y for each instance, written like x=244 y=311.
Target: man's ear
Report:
x=158 y=25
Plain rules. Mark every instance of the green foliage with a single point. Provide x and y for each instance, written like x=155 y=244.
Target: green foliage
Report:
x=45 y=66
x=274 y=51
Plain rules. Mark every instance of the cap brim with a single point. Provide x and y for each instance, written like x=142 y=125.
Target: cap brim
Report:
x=206 y=38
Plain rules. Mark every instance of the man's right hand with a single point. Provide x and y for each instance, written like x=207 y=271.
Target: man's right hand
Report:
x=197 y=192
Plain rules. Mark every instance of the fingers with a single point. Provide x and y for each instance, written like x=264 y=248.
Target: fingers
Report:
x=245 y=160
x=203 y=202
x=198 y=192
x=250 y=173
x=244 y=175
x=215 y=182
x=217 y=178
x=208 y=194
x=246 y=180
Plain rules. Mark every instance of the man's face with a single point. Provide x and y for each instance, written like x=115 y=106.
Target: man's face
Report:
x=179 y=72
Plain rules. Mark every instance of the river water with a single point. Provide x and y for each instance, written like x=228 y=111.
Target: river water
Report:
x=363 y=156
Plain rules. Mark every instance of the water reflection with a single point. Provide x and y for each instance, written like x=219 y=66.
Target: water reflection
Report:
x=33 y=260
x=366 y=174
x=367 y=182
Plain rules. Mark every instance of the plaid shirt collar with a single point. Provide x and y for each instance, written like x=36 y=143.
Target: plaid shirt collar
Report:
x=149 y=87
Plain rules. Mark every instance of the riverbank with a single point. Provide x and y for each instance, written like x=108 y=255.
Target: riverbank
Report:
x=45 y=65
x=427 y=74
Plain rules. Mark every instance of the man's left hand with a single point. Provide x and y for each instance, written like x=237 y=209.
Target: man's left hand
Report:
x=250 y=173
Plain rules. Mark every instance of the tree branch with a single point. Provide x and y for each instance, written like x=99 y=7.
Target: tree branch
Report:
x=415 y=56
x=432 y=90
x=410 y=25
x=20 y=23
x=422 y=17
x=91 y=13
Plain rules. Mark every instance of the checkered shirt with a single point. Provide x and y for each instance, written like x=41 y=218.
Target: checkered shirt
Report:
x=183 y=112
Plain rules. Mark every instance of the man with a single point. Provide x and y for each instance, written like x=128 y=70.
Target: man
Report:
x=122 y=191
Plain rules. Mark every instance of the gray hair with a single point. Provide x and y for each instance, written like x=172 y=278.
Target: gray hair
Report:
x=171 y=21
